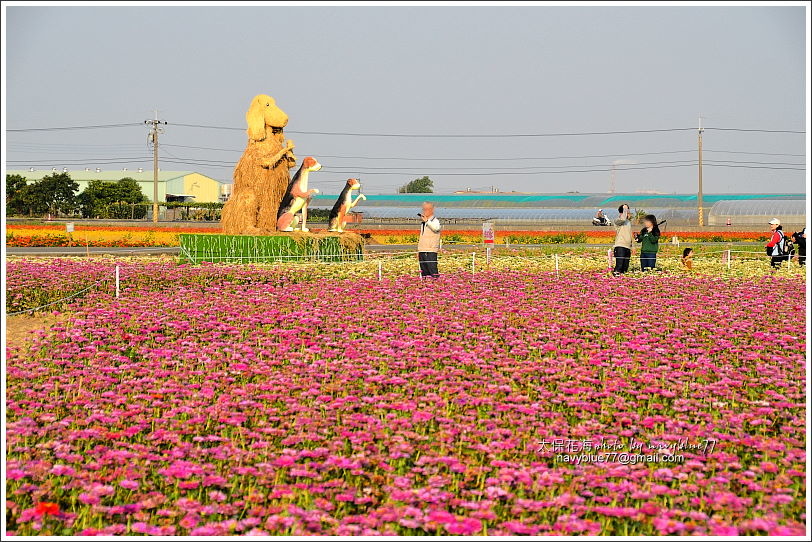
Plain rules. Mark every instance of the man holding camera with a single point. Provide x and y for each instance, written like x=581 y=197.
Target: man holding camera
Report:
x=623 y=240
x=429 y=244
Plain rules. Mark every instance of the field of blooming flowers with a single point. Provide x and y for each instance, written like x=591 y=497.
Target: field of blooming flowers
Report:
x=54 y=235
x=267 y=400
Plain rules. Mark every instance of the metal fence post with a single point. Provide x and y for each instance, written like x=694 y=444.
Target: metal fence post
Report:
x=118 y=284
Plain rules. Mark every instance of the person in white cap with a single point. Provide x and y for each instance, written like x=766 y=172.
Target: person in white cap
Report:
x=777 y=244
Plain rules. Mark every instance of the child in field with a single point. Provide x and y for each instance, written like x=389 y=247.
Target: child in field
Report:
x=688 y=258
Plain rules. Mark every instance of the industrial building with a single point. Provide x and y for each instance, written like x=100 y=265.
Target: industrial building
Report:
x=172 y=185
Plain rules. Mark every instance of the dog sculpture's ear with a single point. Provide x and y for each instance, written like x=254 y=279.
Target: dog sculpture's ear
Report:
x=255 y=118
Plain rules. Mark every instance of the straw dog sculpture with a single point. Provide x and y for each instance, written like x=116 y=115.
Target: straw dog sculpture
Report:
x=262 y=175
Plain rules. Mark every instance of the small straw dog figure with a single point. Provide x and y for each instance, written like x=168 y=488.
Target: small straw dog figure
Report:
x=343 y=206
x=297 y=197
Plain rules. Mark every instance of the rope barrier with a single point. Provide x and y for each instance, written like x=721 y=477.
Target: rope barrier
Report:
x=57 y=301
x=460 y=257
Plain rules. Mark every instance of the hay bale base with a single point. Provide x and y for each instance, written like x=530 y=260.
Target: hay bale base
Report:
x=274 y=248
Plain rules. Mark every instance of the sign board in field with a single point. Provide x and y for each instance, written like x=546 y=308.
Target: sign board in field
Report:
x=488 y=233
x=69 y=227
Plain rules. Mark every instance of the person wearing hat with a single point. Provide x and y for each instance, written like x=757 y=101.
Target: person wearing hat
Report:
x=623 y=240
x=776 y=244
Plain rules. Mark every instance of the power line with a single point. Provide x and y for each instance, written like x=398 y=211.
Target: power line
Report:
x=761 y=153
x=757 y=130
x=751 y=162
x=227 y=163
x=448 y=159
x=89 y=127
x=70 y=160
x=57 y=148
x=688 y=162
x=502 y=159
x=379 y=134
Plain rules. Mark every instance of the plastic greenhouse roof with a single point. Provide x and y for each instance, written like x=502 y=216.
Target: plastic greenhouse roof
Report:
x=759 y=207
x=504 y=213
x=583 y=201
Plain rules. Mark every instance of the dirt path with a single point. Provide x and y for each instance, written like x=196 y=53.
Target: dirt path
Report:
x=20 y=329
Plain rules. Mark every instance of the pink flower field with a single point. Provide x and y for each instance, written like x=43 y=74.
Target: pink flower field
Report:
x=224 y=400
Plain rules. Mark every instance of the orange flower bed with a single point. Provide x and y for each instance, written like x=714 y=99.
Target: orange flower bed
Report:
x=64 y=241
x=54 y=235
x=79 y=227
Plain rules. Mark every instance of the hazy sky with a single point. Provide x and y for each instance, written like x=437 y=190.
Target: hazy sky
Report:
x=422 y=70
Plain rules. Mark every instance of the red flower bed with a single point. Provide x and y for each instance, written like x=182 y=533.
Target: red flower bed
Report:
x=61 y=241
x=79 y=227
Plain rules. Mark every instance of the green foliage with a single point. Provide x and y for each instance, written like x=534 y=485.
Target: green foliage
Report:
x=197 y=248
x=54 y=194
x=554 y=239
x=423 y=185
x=453 y=238
x=188 y=210
x=15 y=184
x=318 y=215
x=113 y=199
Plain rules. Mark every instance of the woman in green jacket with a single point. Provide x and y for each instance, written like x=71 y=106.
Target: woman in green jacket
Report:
x=649 y=236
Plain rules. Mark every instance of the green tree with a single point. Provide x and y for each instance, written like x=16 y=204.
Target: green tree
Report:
x=113 y=199
x=15 y=185
x=57 y=192
x=423 y=185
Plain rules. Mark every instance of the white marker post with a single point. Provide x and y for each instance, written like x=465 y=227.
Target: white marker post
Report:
x=118 y=284
x=380 y=270
x=473 y=263
x=556 y=265
x=728 y=259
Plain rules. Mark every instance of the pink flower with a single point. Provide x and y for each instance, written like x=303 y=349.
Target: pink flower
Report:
x=88 y=498
x=129 y=484
x=465 y=526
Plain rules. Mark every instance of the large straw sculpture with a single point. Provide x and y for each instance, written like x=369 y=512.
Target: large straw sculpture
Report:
x=262 y=174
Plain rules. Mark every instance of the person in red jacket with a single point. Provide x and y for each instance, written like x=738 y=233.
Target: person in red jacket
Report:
x=776 y=244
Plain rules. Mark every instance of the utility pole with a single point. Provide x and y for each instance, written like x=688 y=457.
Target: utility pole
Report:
x=699 y=194
x=153 y=138
x=612 y=180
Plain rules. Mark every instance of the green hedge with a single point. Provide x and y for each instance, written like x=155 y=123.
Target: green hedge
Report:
x=197 y=248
